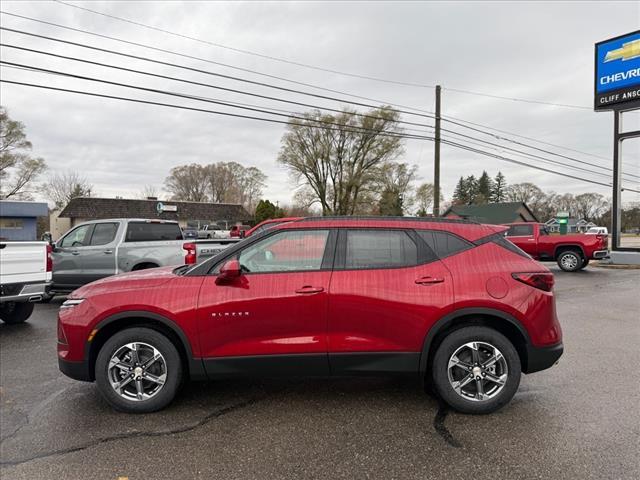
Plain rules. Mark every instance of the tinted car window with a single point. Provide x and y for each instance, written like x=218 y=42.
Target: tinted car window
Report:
x=285 y=251
x=77 y=237
x=104 y=233
x=520 y=230
x=444 y=244
x=379 y=249
x=144 y=232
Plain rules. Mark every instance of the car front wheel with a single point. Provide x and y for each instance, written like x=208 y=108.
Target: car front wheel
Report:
x=138 y=370
x=476 y=370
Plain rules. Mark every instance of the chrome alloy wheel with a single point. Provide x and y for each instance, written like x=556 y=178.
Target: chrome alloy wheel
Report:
x=477 y=371
x=570 y=261
x=137 y=371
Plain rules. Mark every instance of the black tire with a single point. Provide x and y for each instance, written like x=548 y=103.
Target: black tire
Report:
x=173 y=363
x=440 y=372
x=16 y=312
x=570 y=261
x=585 y=262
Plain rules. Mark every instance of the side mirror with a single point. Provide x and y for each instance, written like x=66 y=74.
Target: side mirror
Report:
x=229 y=271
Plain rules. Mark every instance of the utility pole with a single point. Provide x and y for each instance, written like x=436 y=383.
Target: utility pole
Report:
x=436 y=158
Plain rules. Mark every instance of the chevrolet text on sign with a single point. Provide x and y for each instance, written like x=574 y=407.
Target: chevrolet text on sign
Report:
x=617 y=79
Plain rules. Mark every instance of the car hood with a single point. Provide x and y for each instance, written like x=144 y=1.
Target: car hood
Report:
x=149 y=278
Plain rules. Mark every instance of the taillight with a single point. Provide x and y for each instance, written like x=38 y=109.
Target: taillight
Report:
x=542 y=280
x=190 y=257
x=49 y=258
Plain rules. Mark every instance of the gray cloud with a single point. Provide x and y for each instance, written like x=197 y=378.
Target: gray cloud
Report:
x=533 y=50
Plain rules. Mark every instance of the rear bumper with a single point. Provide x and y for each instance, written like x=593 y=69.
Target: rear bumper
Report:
x=75 y=370
x=598 y=254
x=541 y=358
x=25 y=292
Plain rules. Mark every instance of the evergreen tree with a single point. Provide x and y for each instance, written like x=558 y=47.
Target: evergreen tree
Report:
x=459 y=194
x=266 y=210
x=499 y=189
x=485 y=185
x=390 y=203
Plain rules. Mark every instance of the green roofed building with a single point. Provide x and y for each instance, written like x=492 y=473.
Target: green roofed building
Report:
x=493 y=213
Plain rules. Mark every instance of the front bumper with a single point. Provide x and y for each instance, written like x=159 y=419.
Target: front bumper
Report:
x=75 y=370
x=541 y=358
x=599 y=254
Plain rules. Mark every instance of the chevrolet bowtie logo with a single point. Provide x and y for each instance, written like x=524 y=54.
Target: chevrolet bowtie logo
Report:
x=627 y=52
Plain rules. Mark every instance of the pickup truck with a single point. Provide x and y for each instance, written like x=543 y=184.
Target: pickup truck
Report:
x=571 y=252
x=25 y=278
x=100 y=248
x=213 y=231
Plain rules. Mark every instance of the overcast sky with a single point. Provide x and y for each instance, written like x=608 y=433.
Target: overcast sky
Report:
x=540 y=51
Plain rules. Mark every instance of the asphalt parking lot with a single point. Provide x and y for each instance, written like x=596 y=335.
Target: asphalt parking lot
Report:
x=578 y=420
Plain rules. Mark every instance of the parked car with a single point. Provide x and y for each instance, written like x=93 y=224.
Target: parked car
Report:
x=25 y=278
x=450 y=302
x=101 y=248
x=190 y=233
x=571 y=252
x=213 y=231
x=270 y=223
x=238 y=231
x=597 y=231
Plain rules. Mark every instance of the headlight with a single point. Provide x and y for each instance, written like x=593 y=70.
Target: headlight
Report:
x=72 y=302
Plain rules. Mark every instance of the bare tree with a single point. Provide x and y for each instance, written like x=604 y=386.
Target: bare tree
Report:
x=188 y=183
x=149 y=191
x=61 y=188
x=18 y=169
x=424 y=199
x=231 y=182
x=339 y=164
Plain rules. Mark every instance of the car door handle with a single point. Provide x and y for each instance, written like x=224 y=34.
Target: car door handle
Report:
x=429 y=280
x=75 y=252
x=108 y=251
x=310 y=289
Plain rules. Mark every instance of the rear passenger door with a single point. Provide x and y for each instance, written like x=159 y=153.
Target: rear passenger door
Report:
x=386 y=291
x=522 y=235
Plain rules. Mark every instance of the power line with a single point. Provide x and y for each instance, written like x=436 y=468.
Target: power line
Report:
x=147 y=59
x=182 y=107
x=446 y=117
x=305 y=65
x=183 y=80
x=353 y=128
x=248 y=52
x=515 y=99
x=128 y=42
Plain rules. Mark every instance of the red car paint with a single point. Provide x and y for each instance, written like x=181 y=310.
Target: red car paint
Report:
x=327 y=311
x=542 y=246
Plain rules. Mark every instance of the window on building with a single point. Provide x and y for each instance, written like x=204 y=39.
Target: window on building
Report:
x=11 y=223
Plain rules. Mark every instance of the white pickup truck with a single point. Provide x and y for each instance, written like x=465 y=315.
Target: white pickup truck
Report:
x=213 y=231
x=25 y=278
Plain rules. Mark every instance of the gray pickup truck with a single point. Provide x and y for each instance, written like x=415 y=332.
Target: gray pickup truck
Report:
x=100 y=248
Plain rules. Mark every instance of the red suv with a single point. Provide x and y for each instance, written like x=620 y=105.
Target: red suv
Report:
x=450 y=302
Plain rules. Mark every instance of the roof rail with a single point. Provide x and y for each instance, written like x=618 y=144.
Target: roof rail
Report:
x=393 y=219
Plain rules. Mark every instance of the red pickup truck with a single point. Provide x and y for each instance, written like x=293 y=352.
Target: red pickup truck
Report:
x=572 y=252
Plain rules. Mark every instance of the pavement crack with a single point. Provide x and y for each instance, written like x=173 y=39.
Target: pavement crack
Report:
x=123 y=436
x=441 y=428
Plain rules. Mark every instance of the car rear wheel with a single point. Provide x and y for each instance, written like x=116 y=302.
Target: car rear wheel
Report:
x=570 y=261
x=138 y=370
x=15 y=312
x=476 y=370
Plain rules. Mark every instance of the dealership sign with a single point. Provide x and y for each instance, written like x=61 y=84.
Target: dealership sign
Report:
x=161 y=207
x=617 y=80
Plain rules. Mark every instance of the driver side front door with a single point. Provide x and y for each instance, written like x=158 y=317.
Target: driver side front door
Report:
x=272 y=320
x=67 y=258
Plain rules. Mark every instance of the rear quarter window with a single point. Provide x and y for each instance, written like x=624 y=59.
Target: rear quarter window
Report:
x=146 y=232
x=520 y=231
x=444 y=244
